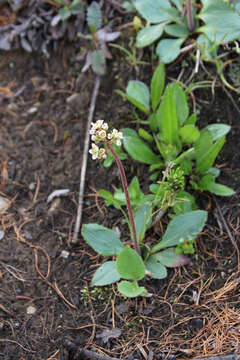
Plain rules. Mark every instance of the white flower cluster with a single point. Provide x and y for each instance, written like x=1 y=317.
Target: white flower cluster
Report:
x=99 y=133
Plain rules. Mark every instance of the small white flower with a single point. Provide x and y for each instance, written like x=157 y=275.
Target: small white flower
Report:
x=102 y=134
x=94 y=151
x=105 y=126
x=118 y=142
x=102 y=154
x=115 y=132
x=110 y=136
x=98 y=124
x=94 y=138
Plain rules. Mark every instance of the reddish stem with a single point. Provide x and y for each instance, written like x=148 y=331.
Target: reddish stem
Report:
x=129 y=206
x=190 y=15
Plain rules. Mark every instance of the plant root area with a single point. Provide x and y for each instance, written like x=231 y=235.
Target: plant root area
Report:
x=48 y=310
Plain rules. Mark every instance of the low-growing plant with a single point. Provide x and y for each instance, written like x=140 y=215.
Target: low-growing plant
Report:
x=99 y=37
x=174 y=137
x=69 y=8
x=209 y=23
x=145 y=259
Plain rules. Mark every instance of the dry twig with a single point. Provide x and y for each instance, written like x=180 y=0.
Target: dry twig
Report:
x=84 y=161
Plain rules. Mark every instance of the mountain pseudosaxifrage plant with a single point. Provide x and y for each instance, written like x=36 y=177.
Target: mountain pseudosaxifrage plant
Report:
x=128 y=265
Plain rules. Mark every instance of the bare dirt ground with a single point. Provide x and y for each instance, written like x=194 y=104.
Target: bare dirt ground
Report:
x=47 y=308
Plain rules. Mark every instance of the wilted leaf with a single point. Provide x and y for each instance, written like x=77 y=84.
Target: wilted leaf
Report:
x=107 y=334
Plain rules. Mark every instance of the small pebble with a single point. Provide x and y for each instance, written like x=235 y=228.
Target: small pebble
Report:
x=64 y=254
x=31 y=310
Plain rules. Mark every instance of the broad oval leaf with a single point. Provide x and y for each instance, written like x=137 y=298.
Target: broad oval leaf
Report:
x=138 y=94
x=138 y=149
x=177 y=30
x=170 y=259
x=157 y=85
x=106 y=274
x=157 y=270
x=189 y=134
x=220 y=189
x=94 y=16
x=222 y=22
x=130 y=265
x=98 y=62
x=169 y=49
x=207 y=183
x=149 y=34
x=188 y=225
x=104 y=241
x=130 y=289
x=218 y=130
x=152 y=11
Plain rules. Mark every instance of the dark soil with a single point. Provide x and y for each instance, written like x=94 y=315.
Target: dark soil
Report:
x=193 y=313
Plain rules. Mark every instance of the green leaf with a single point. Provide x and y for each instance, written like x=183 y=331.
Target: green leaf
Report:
x=213 y=171
x=189 y=134
x=134 y=190
x=106 y=274
x=178 y=4
x=206 y=47
x=207 y=183
x=170 y=259
x=157 y=270
x=185 y=202
x=110 y=158
x=186 y=155
x=98 y=62
x=146 y=135
x=138 y=149
x=177 y=30
x=77 y=9
x=153 y=123
x=110 y=199
x=167 y=118
x=181 y=103
x=130 y=289
x=64 y=13
x=218 y=130
x=157 y=85
x=222 y=22
x=130 y=265
x=74 y=4
x=169 y=49
x=183 y=226
x=206 y=151
x=138 y=94
x=142 y=220
x=94 y=16
x=104 y=241
x=152 y=11
x=191 y=120
x=149 y=34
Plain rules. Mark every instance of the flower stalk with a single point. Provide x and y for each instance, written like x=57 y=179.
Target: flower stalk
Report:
x=99 y=133
x=129 y=206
